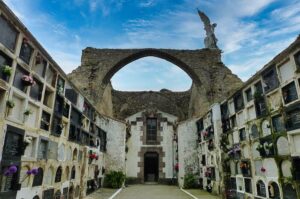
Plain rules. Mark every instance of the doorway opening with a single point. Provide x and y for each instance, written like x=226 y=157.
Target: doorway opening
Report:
x=151 y=167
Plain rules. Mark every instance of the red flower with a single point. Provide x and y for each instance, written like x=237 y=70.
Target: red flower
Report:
x=263 y=169
x=176 y=167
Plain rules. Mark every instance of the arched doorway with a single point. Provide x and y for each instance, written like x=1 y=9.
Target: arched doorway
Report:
x=151 y=167
x=273 y=190
x=71 y=192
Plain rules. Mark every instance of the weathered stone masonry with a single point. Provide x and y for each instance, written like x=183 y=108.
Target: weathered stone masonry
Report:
x=212 y=81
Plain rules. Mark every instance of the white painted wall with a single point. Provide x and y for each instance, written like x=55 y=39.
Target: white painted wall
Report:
x=187 y=148
x=115 y=155
x=134 y=144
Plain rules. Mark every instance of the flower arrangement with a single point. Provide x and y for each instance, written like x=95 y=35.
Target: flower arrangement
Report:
x=207 y=172
x=230 y=152
x=204 y=133
x=28 y=80
x=237 y=148
x=243 y=165
x=29 y=172
x=27 y=112
x=10 y=103
x=6 y=70
x=93 y=155
x=11 y=170
x=33 y=171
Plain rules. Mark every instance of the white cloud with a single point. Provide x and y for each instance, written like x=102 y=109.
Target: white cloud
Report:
x=285 y=13
x=147 y=3
x=105 y=6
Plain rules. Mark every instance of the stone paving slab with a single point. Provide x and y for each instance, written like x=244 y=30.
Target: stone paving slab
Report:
x=152 y=192
x=102 y=193
x=200 y=194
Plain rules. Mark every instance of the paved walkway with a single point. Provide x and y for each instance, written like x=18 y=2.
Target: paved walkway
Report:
x=150 y=192
x=201 y=194
x=102 y=193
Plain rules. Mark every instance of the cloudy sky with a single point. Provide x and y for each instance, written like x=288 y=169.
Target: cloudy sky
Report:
x=250 y=33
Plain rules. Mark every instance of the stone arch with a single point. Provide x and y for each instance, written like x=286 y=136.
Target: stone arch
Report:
x=283 y=146
x=75 y=154
x=261 y=188
x=286 y=166
x=273 y=190
x=152 y=53
x=289 y=191
x=77 y=191
x=71 y=192
x=67 y=173
x=57 y=194
x=246 y=151
x=69 y=153
x=73 y=173
x=38 y=178
x=204 y=66
x=58 y=174
x=254 y=131
x=49 y=176
x=266 y=127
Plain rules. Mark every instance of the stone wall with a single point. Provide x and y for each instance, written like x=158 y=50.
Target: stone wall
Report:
x=187 y=149
x=128 y=103
x=115 y=154
x=212 y=81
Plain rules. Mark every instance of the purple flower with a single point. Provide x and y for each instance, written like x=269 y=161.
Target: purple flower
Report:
x=7 y=173
x=29 y=172
x=13 y=169
x=34 y=171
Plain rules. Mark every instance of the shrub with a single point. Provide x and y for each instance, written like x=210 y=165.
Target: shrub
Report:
x=189 y=181
x=114 y=179
x=6 y=70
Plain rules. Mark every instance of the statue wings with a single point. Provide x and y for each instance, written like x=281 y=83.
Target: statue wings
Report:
x=204 y=19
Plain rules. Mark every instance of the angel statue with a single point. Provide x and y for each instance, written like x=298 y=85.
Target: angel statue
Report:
x=210 y=40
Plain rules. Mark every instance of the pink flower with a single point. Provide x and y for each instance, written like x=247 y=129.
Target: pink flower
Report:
x=28 y=79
